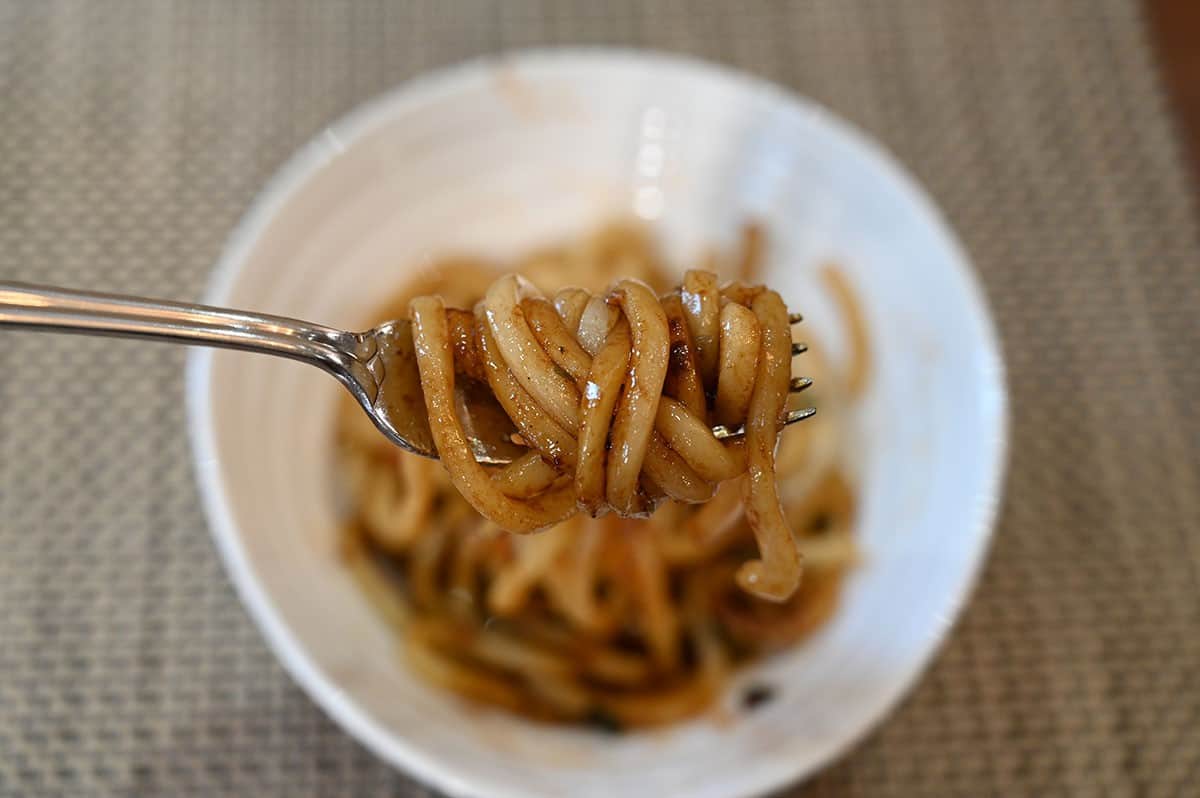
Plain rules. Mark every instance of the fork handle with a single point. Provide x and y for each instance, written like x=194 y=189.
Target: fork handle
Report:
x=37 y=307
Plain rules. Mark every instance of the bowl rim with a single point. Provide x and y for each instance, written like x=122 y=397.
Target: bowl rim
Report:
x=291 y=177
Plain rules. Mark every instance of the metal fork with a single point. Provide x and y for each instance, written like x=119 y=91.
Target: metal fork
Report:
x=377 y=366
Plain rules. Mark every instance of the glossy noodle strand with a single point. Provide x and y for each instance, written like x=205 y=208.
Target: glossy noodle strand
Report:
x=663 y=557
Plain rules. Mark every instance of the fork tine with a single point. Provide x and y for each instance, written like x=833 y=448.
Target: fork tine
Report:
x=799 y=415
x=799 y=349
x=798 y=384
x=795 y=318
x=723 y=433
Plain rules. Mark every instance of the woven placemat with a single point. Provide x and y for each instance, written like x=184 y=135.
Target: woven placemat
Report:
x=133 y=135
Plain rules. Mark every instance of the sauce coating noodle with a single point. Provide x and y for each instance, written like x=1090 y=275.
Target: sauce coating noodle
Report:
x=620 y=620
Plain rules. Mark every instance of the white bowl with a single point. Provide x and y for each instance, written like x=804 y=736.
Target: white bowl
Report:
x=498 y=156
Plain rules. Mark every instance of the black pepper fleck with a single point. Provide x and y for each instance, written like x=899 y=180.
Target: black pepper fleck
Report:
x=603 y=721
x=756 y=695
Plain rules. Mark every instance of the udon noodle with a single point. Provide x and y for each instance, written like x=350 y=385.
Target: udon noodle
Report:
x=625 y=618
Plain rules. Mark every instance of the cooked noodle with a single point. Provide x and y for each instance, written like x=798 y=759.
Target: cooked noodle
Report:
x=603 y=616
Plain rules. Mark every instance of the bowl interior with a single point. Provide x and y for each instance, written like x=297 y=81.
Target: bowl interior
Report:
x=499 y=157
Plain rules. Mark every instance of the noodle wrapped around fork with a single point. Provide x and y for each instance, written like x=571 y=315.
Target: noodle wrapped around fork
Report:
x=590 y=403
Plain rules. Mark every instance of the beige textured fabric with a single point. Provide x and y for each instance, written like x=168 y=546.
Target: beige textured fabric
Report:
x=132 y=135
